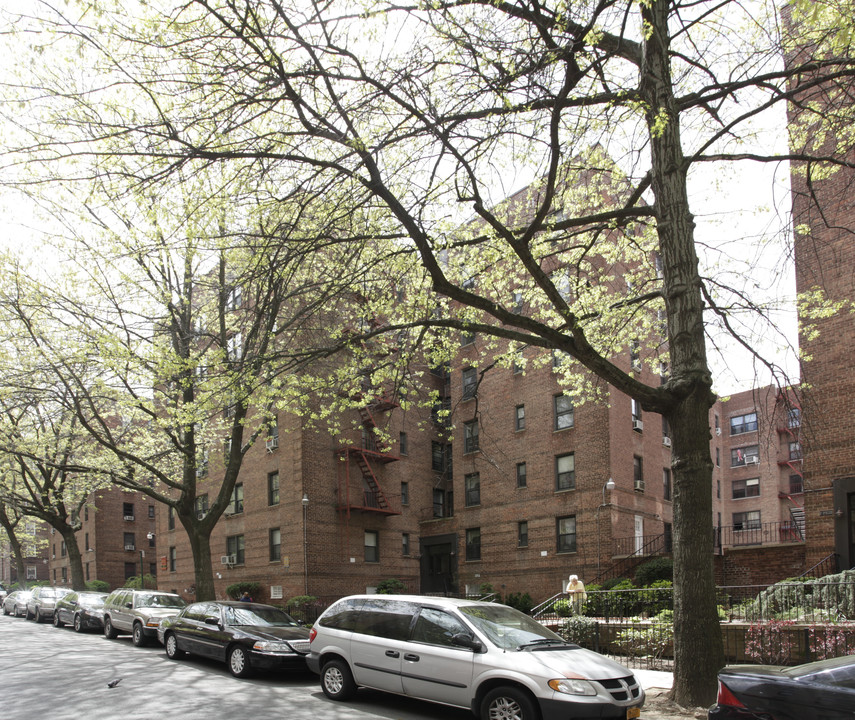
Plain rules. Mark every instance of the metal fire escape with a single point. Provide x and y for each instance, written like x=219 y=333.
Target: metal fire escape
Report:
x=795 y=495
x=364 y=493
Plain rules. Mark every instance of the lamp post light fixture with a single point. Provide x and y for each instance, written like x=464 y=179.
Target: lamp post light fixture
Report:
x=608 y=485
x=305 y=502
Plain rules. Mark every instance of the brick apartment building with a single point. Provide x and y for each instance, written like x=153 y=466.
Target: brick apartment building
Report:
x=36 y=554
x=117 y=540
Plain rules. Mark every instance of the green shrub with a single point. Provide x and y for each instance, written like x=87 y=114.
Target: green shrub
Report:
x=617 y=583
x=651 y=641
x=302 y=601
x=562 y=608
x=235 y=590
x=661 y=568
x=580 y=630
x=141 y=583
x=98 y=586
x=520 y=601
x=392 y=586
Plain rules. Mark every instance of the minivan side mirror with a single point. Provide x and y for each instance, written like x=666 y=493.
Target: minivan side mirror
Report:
x=467 y=641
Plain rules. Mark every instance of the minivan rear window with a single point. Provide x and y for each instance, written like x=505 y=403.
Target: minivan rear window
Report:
x=386 y=618
x=343 y=615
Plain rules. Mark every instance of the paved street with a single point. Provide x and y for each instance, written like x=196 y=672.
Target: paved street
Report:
x=45 y=672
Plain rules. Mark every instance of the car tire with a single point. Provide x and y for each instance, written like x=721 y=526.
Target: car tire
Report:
x=173 y=652
x=6 y=611
x=57 y=623
x=109 y=631
x=508 y=703
x=238 y=662
x=37 y=615
x=138 y=636
x=27 y=614
x=337 y=680
x=78 y=623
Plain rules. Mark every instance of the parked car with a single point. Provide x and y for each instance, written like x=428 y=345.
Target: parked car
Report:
x=245 y=635
x=81 y=610
x=3 y=593
x=823 y=690
x=42 y=601
x=138 y=613
x=487 y=657
x=15 y=603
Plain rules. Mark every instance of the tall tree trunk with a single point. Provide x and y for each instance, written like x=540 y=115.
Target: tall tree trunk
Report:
x=698 y=650
x=200 y=546
x=75 y=559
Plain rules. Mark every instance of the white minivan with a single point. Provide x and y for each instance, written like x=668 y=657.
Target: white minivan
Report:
x=487 y=657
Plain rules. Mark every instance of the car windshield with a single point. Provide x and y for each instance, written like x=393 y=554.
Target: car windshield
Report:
x=270 y=617
x=509 y=629
x=160 y=601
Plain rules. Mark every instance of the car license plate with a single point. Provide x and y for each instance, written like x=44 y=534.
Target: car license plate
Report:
x=634 y=712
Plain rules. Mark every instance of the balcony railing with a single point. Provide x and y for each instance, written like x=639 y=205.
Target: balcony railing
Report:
x=770 y=533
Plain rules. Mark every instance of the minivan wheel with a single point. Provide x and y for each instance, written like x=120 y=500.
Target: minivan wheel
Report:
x=109 y=631
x=508 y=703
x=238 y=661
x=138 y=636
x=337 y=680
x=172 y=650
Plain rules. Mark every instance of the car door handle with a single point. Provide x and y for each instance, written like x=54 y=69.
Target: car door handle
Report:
x=411 y=657
x=393 y=653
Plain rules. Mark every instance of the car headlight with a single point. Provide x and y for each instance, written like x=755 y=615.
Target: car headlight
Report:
x=271 y=646
x=572 y=686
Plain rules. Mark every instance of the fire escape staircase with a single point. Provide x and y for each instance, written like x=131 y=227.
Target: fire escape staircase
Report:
x=796 y=497
x=370 y=497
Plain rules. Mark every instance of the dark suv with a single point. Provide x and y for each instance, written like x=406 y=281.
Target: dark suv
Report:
x=138 y=613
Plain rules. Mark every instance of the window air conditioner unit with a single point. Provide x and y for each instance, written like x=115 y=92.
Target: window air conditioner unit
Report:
x=752 y=460
x=638 y=425
x=666 y=441
x=129 y=517
x=228 y=559
x=130 y=547
x=639 y=485
x=272 y=443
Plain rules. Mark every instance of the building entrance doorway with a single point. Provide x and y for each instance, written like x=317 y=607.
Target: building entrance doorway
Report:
x=439 y=564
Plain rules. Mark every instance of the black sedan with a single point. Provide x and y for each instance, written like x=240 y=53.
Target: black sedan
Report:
x=81 y=610
x=823 y=690
x=245 y=635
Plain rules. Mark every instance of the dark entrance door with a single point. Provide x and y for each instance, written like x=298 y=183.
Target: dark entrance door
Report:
x=439 y=567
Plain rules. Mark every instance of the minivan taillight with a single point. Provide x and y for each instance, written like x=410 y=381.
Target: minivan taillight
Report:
x=726 y=697
x=312 y=634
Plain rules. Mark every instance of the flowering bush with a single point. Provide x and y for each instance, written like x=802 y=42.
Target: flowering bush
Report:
x=828 y=641
x=770 y=643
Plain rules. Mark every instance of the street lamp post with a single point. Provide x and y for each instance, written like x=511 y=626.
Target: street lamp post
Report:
x=305 y=502
x=608 y=485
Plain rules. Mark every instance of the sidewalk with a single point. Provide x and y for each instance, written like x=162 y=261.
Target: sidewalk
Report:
x=654 y=679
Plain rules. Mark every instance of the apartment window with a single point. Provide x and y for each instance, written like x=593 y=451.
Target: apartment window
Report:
x=201 y=506
x=63 y=550
x=470 y=436
x=130 y=541
x=795 y=451
x=234 y=346
x=517 y=362
x=273 y=434
x=517 y=302
x=437 y=456
x=173 y=559
x=666 y=428
x=565 y=472
x=519 y=417
x=31 y=572
x=743 y=423
x=86 y=544
x=87 y=572
x=236 y=545
x=637 y=473
x=561 y=280
x=796 y=485
x=467 y=337
x=170 y=518
x=273 y=488
x=718 y=457
x=235 y=298
x=405 y=543
x=746 y=520
x=151 y=512
x=86 y=513
x=746 y=488
x=227 y=450
x=402 y=444
x=405 y=493
x=666 y=483
x=565 y=530
x=473 y=543
x=128 y=511
x=794 y=417
x=472 y=485
x=636 y=409
x=657 y=265
x=749 y=455
x=563 y=405
x=635 y=356
x=152 y=540
x=718 y=489
x=275 y=542
x=717 y=424
x=439 y=503
x=522 y=479
x=522 y=533
x=470 y=383
x=64 y=573
x=372 y=546
x=236 y=504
